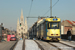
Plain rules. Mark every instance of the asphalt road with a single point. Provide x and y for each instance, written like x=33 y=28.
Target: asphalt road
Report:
x=6 y=45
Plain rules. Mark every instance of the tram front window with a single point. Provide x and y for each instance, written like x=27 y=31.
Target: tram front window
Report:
x=53 y=25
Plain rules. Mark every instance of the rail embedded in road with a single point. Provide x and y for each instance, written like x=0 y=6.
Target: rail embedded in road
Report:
x=39 y=45
x=46 y=46
x=61 y=46
x=23 y=47
x=68 y=43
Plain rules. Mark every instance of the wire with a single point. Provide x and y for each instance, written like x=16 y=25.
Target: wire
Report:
x=52 y=6
x=55 y=3
x=30 y=7
x=46 y=12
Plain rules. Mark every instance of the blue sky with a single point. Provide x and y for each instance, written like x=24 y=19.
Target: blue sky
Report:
x=10 y=10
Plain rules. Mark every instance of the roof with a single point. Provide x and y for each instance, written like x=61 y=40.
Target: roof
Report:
x=74 y=21
x=71 y=22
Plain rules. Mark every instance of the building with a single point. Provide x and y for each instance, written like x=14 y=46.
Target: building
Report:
x=21 y=26
x=1 y=31
x=5 y=32
x=67 y=24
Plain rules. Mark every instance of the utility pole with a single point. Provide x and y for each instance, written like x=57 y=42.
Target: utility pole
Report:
x=50 y=8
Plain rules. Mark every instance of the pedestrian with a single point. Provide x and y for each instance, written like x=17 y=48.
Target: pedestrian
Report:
x=21 y=38
x=69 y=34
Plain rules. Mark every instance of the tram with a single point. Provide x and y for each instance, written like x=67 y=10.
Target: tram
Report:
x=49 y=29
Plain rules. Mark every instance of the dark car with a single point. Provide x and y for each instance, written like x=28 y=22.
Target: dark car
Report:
x=13 y=39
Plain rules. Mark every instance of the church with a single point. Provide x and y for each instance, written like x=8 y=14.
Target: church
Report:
x=21 y=26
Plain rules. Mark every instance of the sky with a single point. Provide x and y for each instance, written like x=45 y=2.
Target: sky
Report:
x=10 y=11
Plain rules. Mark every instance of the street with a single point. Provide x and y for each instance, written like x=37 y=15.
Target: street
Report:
x=6 y=45
x=43 y=45
x=37 y=25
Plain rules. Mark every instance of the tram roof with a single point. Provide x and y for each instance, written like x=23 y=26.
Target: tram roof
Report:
x=52 y=19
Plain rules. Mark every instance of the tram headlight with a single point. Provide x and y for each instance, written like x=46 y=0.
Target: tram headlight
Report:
x=55 y=19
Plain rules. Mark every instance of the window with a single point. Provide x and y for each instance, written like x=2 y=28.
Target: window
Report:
x=22 y=28
x=41 y=26
x=19 y=33
x=19 y=29
x=53 y=25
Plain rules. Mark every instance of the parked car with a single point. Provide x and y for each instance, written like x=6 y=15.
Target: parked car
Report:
x=13 y=39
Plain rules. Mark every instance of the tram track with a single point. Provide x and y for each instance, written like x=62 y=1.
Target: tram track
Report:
x=62 y=46
x=54 y=45
x=39 y=45
x=23 y=46
x=73 y=46
x=46 y=46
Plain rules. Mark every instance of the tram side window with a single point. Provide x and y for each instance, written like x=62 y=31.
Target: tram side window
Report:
x=48 y=25
x=37 y=28
x=41 y=26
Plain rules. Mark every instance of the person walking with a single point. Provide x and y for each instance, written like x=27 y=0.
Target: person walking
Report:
x=69 y=34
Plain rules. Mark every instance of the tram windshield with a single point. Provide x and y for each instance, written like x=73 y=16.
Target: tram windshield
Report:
x=53 y=25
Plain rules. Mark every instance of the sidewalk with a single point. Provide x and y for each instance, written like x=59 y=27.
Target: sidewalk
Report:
x=19 y=45
x=31 y=45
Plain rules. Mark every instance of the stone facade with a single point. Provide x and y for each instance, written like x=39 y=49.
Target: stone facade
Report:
x=21 y=26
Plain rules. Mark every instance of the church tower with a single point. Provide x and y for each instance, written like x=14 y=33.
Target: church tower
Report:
x=21 y=26
x=22 y=18
x=26 y=25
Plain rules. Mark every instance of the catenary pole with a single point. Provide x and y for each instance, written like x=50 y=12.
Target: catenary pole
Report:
x=50 y=8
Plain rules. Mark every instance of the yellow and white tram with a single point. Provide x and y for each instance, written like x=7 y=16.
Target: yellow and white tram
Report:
x=49 y=29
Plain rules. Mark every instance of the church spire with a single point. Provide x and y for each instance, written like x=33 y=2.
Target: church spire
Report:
x=25 y=22
x=26 y=27
x=18 y=21
x=22 y=18
x=21 y=12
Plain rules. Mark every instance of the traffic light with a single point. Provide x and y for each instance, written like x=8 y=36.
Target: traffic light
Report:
x=2 y=28
x=1 y=24
x=20 y=24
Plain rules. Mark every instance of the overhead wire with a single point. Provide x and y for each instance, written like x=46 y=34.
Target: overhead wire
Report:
x=52 y=7
x=30 y=7
x=55 y=3
x=46 y=12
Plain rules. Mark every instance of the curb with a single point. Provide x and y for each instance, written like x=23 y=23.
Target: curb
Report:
x=13 y=46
